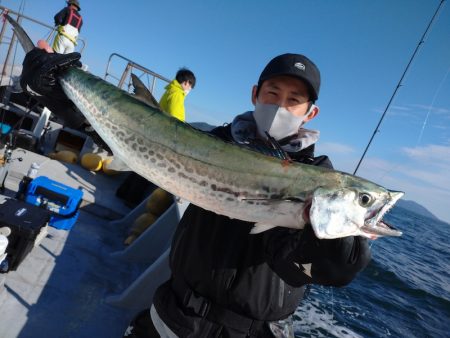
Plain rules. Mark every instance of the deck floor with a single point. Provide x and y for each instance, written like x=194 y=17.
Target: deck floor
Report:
x=59 y=290
x=60 y=287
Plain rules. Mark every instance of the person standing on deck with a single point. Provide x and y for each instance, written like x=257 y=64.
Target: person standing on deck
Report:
x=68 y=22
x=172 y=101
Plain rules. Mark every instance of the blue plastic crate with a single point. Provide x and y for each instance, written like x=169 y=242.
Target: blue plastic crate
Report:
x=62 y=200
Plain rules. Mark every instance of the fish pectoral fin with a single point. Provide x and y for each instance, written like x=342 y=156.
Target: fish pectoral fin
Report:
x=280 y=199
x=118 y=165
x=261 y=227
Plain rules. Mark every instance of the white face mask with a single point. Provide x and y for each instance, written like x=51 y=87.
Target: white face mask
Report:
x=186 y=91
x=277 y=121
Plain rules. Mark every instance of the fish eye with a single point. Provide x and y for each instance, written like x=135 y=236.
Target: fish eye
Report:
x=365 y=199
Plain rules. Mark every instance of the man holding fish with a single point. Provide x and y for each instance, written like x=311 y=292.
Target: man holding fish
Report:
x=237 y=278
x=229 y=283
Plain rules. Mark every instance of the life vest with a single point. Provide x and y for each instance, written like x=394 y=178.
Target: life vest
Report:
x=72 y=26
x=74 y=19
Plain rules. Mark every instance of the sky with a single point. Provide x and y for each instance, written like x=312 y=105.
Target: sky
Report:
x=361 y=47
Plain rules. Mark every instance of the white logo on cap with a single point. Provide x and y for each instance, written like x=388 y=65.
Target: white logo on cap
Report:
x=299 y=65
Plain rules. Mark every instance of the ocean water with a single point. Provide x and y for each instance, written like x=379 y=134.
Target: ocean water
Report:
x=404 y=292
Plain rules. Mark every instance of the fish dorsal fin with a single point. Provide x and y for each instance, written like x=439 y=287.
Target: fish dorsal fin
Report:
x=142 y=93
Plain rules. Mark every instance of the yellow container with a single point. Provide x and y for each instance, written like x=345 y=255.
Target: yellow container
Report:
x=107 y=171
x=92 y=162
x=158 y=202
x=142 y=223
x=64 y=156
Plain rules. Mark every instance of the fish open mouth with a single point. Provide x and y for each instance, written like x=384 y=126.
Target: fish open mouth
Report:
x=381 y=229
x=374 y=226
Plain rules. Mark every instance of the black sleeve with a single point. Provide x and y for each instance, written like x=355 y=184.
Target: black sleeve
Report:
x=60 y=17
x=334 y=262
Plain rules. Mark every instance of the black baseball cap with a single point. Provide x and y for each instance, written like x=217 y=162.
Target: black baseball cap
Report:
x=75 y=3
x=296 y=65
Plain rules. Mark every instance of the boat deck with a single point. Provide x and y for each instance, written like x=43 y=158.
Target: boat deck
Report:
x=61 y=287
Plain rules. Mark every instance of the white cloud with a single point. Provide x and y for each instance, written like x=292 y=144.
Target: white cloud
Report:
x=400 y=108
x=440 y=180
x=415 y=111
x=399 y=111
x=432 y=109
x=431 y=155
x=334 y=148
x=439 y=126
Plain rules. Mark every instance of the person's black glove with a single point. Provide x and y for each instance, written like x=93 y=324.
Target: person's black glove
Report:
x=40 y=71
x=340 y=250
x=302 y=258
x=39 y=80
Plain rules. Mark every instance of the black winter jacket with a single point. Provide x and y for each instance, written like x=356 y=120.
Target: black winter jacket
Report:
x=228 y=283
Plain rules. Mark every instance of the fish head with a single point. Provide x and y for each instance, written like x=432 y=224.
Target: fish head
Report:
x=352 y=211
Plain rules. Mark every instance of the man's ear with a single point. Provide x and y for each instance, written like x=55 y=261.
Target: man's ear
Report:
x=313 y=111
x=254 y=90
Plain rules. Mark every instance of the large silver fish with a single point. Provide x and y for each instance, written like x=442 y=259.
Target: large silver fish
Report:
x=225 y=178
x=222 y=177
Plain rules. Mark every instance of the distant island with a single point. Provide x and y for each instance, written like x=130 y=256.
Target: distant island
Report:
x=202 y=126
x=416 y=208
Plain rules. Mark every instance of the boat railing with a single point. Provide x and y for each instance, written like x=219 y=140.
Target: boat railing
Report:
x=117 y=62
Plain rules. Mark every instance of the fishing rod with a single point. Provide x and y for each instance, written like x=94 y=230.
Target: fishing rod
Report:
x=398 y=85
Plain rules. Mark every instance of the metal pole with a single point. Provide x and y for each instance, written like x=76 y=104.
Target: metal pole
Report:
x=124 y=75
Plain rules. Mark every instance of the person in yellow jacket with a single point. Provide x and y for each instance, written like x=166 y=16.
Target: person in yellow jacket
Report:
x=172 y=101
x=68 y=23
